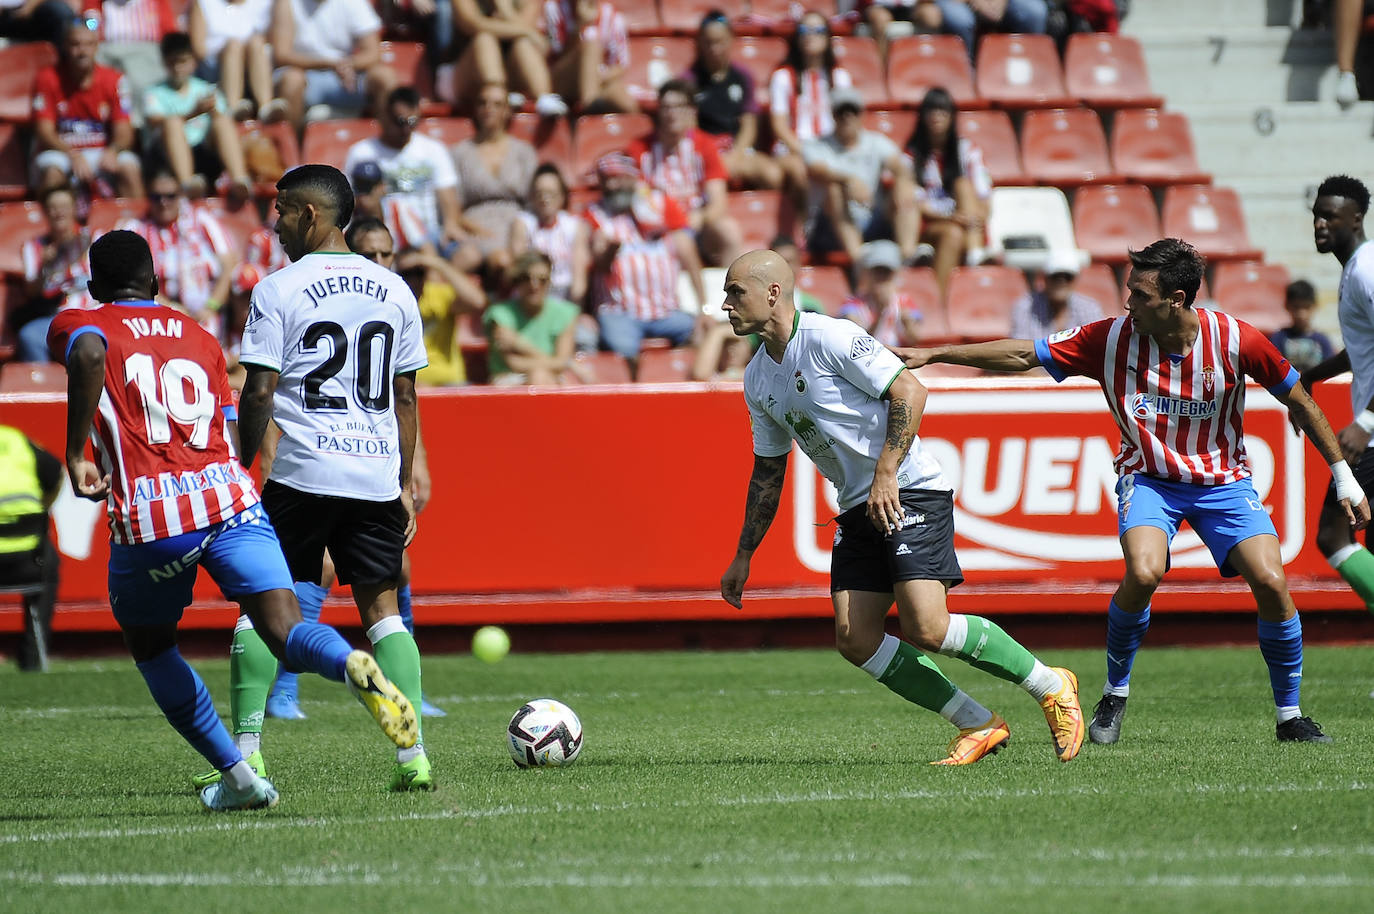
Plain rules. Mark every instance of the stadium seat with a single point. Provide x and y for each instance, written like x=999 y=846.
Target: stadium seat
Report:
x=661 y=366
x=239 y=223
x=19 y=65
x=1098 y=282
x=683 y=17
x=654 y=61
x=32 y=377
x=283 y=138
x=895 y=125
x=776 y=17
x=598 y=134
x=641 y=18
x=1253 y=292
x=759 y=57
x=981 y=299
x=756 y=213
x=1026 y=223
x=550 y=136
x=1065 y=147
x=1108 y=71
x=14 y=163
x=408 y=59
x=920 y=284
x=992 y=133
x=1109 y=219
x=19 y=221
x=108 y=214
x=328 y=142
x=1020 y=71
x=10 y=295
x=1210 y=219
x=1155 y=147
x=606 y=367
x=453 y=130
x=918 y=62
x=827 y=283
x=859 y=56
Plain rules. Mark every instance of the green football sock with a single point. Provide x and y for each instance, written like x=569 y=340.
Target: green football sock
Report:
x=1358 y=571
x=399 y=657
x=913 y=676
x=982 y=644
x=251 y=671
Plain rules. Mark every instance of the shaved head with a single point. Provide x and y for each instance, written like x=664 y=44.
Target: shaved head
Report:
x=764 y=267
x=758 y=295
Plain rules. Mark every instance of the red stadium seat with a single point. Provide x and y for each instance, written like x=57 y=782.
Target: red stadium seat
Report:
x=606 y=367
x=239 y=223
x=641 y=18
x=1065 y=147
x=32 y=377
x=453 y=130
x=1253 y=292
x=14 y=163
x=759 y=57
x=920 y=284
x=328 y=142
x=828 y=284
x=11 y=294
x=1210 y=219
x=110 y=214
x=756 y=213
x=660 y=366
x=777 y=17
x=19 y=65
x=859 y=56
x=1021 y=71
x=1155 y=147
x=895 y=125
x=918 y=62
x=683 y=17
x=408 y=59
x=1110 y=219
x=19 y=222
x=981 y=299
x=1098 y=282
x=550 y=136
x=992 y=133
x=1108 y=71
x=599 y=134
x=282 y=136
x=654 y=61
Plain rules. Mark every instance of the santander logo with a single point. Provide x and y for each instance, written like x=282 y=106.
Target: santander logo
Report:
x=1034 y=485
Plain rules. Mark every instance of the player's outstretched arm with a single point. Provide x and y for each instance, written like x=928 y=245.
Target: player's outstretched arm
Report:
x=1310 y=419
x=760 y=507
x=906 y=401
x=998 y=355
x=255 y=410
x=1337 y=364
x=85 y=381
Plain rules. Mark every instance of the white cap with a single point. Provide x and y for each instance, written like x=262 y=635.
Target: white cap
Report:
x=880 y=254
x=1062 y=260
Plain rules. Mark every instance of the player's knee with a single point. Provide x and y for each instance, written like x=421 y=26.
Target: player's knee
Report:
x=1144 y=575
x=1269 y=584
x=856 y=646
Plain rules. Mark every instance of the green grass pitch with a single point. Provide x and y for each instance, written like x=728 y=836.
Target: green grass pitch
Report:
x=709 y=782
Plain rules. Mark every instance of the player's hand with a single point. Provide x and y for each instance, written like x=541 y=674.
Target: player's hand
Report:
x=408 y=503
x=732 y=582
x=885 y=504
x=1353 y=441
x=1358 y=515
x=913 y=357
x=859 y=190
x=86 y=479
x=81 y=168
x=420 y=486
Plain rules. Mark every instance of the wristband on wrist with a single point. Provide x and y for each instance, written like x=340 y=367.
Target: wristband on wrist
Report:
x=1346 y=486
x=1365 y=420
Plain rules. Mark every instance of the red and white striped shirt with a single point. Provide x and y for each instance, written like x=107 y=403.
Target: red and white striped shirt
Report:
x=682 y=171
x=557 y=242
x=805 y=99
x=885 y=326
x=160 y=430
x=186 y=254
x=560 y=22
x=66 y=276
x=642 y=279
x=265 y=251
x=1180 y=416
x=136 y=20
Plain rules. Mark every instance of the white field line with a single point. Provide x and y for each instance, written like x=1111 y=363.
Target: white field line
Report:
x=563 y=809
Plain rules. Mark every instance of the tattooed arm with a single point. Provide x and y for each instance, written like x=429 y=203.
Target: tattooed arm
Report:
x=906 y=401
x=760 y=506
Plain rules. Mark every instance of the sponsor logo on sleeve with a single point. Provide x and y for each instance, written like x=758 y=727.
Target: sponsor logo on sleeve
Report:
x=862 y=346
x=1063 y=335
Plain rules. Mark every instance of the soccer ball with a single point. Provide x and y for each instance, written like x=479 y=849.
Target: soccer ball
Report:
x=544 y=733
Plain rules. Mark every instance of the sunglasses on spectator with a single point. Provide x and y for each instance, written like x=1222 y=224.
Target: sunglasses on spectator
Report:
x=410 y=121
x=162 y=198
x=812 y=30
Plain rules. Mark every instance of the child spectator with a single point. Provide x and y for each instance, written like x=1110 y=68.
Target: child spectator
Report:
x=130 y=31
x=1299 y=343
x=891 y=317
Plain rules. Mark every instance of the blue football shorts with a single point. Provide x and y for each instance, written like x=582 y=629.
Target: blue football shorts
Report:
x=1222 y=515
x=151 y=583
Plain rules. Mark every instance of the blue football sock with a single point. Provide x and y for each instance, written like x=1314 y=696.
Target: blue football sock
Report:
x=315 y=648
x=311 y=598
x=185 y=701
x=1281 y=645
x=1125 y=631
x=403 y=606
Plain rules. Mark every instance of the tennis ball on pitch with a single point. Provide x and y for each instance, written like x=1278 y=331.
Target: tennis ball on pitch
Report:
x=490 y=643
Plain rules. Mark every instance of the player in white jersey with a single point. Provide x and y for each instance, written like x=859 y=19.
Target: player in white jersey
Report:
x=1338 y=229
x=1174 y=376
x=853 y=409
x=331 y=345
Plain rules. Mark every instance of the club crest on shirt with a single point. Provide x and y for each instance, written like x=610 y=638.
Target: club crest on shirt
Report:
x=862 y=346
x=801 y=383
x=1063 y=335
x=1209 y=381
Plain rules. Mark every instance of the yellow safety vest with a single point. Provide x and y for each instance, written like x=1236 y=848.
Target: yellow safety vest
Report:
x=20 y=495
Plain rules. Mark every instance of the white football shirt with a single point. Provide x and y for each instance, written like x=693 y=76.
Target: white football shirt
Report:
x=413 y=173
x=338 y=328
x=1355 y=311
x=827 y=396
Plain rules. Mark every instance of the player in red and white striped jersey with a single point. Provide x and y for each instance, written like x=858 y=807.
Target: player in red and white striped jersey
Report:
x=1174 y=377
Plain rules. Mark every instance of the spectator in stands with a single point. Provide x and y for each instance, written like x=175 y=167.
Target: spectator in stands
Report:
x=494 y=174
x=953 y=186
x=235 y=317
x=397 y=212
x=684 y=163
x=640 y=244
x=788 y=249
x=189 y=127
x=130 y=32
x=1347 y=20
x=531 y=335
x=966 y=18
x=721 y=355
x=925 y=16
x=853 y=202
x=419 y=177
x=329 y=58
x=799 y=106
x=1056 y=306
x=55 y=274
x=505 y=46
x=1303 y=346
x=891 y=317
x=81 y=123
x=727 y=110
x=192 y=256
x=35 y=20
x=230 y=41
x=589 y=49
x=548 y=227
